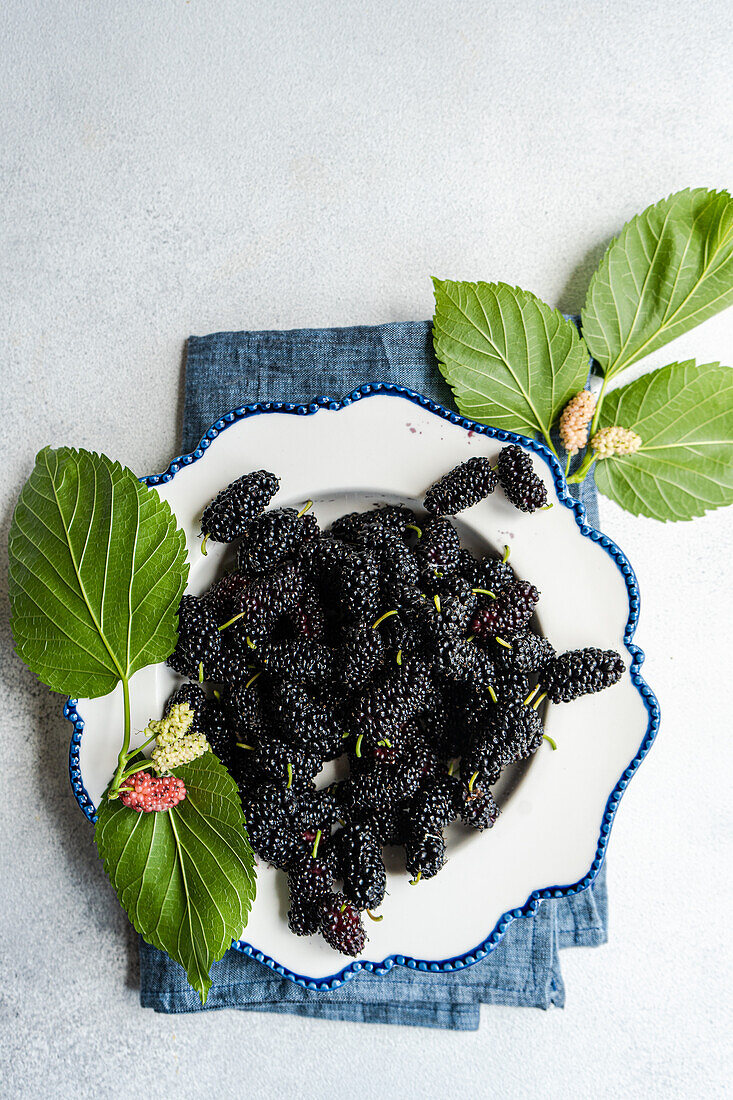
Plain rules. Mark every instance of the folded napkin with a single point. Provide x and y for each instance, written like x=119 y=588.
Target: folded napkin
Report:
x=225 y=371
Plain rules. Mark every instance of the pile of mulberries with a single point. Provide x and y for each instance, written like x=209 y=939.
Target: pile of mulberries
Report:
x=382 y=642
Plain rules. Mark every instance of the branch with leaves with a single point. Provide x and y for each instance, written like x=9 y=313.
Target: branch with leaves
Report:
x=661 y=446
x=97 y=570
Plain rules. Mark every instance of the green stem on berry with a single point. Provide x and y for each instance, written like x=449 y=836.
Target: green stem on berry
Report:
x=414 y=881
x=290 y=775
x=501 y=641
x=484 y=592
x=343 y=907
x=250 y=643
x=550 y=741
x=415 y=528
x=314 y=853
x=398 y=658
x=217 y=695
x=252 y=679
x=505 y=555
x=381 y=618
x=538 y=700
x=139 y=748
x=567 y=466
x=243 y=745
x=345 y=734
x=204 y=551
x=233 y=620
x=359 y=739
x=436 y=601
x=201 y=672
x=491 y=692
x=471 y=638
x=546 y=507
x=531 y=695
x=371 y=915
x=139 y=767
x=306 y=507
x=471 y=782
x=385 y=743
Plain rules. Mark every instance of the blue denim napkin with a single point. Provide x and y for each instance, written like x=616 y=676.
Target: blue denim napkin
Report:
x=230 y=369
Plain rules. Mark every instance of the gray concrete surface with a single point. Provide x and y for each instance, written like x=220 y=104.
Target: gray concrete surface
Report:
x=184 y=166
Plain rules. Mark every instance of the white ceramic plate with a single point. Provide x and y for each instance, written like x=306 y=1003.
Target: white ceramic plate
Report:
x=556 y=812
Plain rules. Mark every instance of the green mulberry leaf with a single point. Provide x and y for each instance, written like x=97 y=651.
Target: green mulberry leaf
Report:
x=511 y=360
x=670 y=268
x=185 y=876
x=684 y=415
x=97 y=569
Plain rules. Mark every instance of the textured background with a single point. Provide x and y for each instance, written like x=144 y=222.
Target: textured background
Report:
x=189 y=166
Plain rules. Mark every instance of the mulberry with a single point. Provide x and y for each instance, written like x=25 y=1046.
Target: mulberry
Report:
x=195 y=696
x=361 y=653
x=341 y=925
x=145 y=794
x=425 y=855
x=270 y=815
x=272 y=537
x=529 y=652
x=463 y=487
x=479 y=811
x=486 y=573
x=264 y=603
x=361 y=866
x=574 y=421
x=183 y=751
x=440 y=547
x=434 y=806
x=390 y=517
x=615 y=441
x=299 y=661
x=198 y=651
x=580 y=672
x=521 y=485
x=508 y=613
x=290 y=765
x=177 y=722
x=227 y=516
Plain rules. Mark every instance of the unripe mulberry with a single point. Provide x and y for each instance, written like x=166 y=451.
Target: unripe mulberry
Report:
x=183 y=751
x=615 y=441
x=177 y=722
x=574 y=421
x=148 y=794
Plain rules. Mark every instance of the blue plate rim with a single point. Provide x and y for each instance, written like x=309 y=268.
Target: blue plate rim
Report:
x=458 y=962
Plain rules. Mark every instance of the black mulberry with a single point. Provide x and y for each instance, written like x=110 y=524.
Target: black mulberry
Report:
x=227 y=516
x=521 y=485
x=581 y=672
x=463 y=487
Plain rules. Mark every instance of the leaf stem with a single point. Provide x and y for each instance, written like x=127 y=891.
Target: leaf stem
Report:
x=139 y=767
x=122 y=758
x=583 y=469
